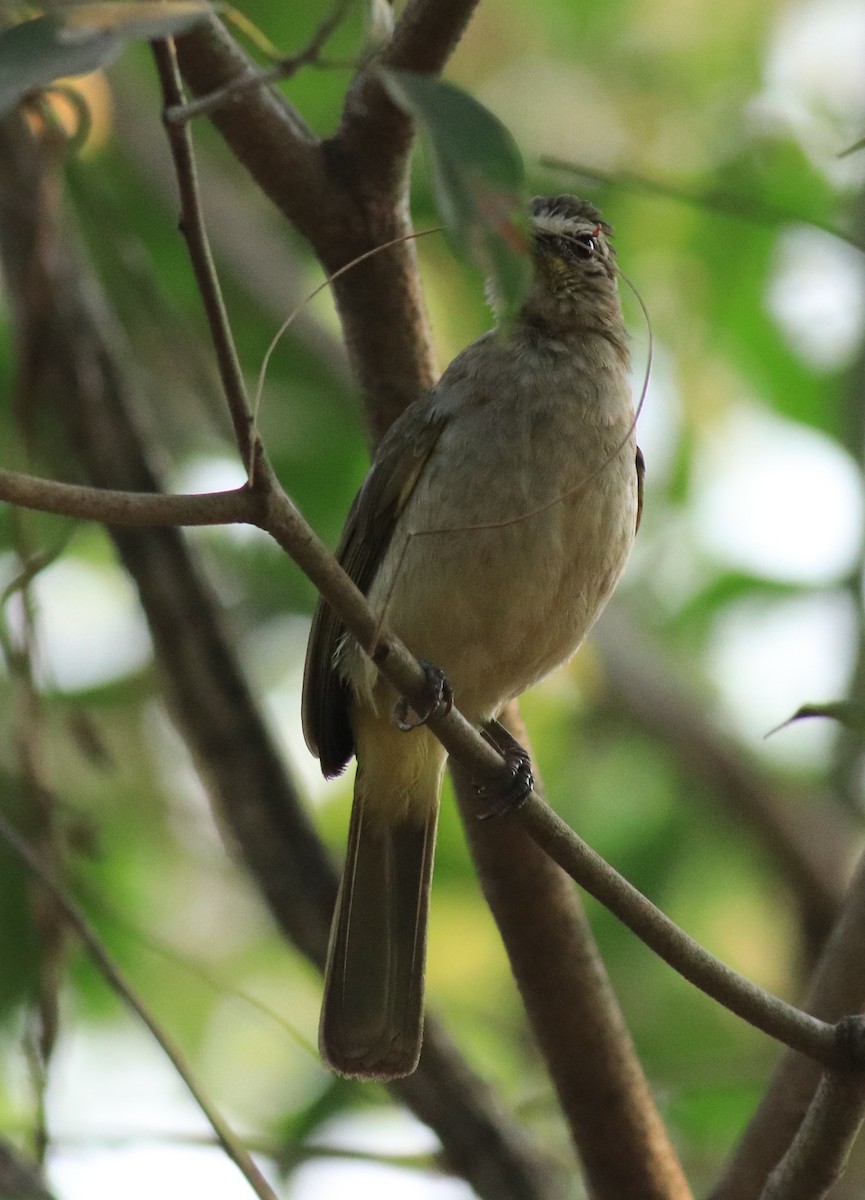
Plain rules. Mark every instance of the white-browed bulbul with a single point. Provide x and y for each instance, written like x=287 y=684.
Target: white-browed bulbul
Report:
x=490 y=532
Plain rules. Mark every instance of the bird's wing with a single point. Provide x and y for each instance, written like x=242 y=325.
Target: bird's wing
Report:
x=368 y=530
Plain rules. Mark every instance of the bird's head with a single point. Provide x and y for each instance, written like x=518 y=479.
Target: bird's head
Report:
x=575 y=270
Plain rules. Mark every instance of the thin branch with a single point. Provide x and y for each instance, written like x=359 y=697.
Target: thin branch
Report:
x=738 y=206
x=248 y=238
x=759 y=1008
x=21 y=651
x=112 y=973
x=194 y=230
x=284 y=68
x=234 y=507
x=287 y=1155
x=265 y=133
x=819 y=1153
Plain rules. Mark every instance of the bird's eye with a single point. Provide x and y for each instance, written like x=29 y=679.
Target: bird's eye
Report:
x=585 y=245
x=571 y=245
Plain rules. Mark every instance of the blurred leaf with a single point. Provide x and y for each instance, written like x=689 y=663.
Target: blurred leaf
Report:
x=297 y=1127
x=721 y=591
x=83 y=38
x=136 y=19
x=774 y=178
x=846 y=712
x=479 y=180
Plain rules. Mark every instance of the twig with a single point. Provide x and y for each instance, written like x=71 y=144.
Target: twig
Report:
x=41 y=1035
x=284 y=157
x=284 y=68
x=287 y=1155
x=183 y=962
x=112 y=973
x=737 y=206
x=193 y=229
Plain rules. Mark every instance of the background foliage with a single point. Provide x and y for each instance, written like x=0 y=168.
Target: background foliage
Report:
x=710 y=138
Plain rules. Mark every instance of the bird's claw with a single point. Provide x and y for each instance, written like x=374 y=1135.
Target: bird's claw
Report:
x=439 y=696
x=514 y=785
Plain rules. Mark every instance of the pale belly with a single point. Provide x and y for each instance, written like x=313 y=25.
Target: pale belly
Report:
x=499 y=599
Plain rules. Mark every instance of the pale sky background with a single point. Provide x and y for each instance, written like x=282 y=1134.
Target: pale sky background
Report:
x=775 y=497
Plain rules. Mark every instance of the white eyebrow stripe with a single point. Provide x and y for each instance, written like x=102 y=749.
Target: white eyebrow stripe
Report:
x=557 y=223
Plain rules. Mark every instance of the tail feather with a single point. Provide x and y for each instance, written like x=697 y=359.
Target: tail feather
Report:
x=372 y=1015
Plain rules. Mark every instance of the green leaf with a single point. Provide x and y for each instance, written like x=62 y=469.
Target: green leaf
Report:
x=83 y=38
x=845 y=712
x=479 y=180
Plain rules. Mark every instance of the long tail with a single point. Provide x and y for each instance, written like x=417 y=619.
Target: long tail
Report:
x=372 y=1015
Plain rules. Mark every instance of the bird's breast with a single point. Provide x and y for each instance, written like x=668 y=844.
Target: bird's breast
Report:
x=509 y=547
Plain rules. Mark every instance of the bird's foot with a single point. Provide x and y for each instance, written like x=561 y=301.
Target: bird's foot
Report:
x=515 y=783
x=439 y=695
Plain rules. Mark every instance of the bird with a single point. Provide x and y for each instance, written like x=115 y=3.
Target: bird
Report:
x=488 y=535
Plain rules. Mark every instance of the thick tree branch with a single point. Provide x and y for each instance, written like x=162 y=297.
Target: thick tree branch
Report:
x=375 y=134
x=427 y=34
